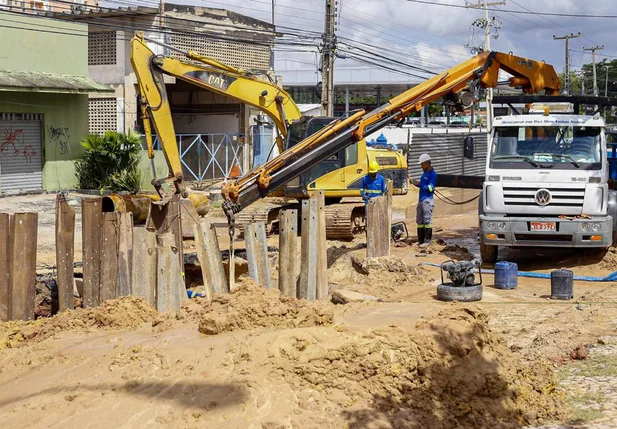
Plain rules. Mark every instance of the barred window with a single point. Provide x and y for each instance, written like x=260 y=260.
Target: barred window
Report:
x=101 y=48
x=103 y=115
x=244 y=55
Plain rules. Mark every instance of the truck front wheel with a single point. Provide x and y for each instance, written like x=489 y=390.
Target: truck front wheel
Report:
x=488 y=252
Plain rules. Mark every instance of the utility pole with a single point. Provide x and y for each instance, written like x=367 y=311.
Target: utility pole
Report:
x=593 y=62
x=606 y=85
x=273 y=37
x=161 y=11
x=567 y=37
x=487 y=24
x=327 y=60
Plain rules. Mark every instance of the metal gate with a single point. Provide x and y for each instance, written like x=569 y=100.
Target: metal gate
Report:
x=21 y=166
x=446 y=150
x=208 y=156
x=263 y=143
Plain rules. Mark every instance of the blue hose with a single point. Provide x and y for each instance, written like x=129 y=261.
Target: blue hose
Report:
x=608 y=278
x=192 y=294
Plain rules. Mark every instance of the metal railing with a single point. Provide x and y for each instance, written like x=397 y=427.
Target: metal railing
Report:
x=208 y=156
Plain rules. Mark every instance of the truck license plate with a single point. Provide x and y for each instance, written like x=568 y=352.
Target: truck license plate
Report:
x=543 y=226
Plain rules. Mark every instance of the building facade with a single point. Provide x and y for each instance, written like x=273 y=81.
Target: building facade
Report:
x=44 y=87
x=42 y=6
x=212 y=129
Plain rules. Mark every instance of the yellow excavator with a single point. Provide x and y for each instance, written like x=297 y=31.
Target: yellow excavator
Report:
x=339 y=175
x=316 y=143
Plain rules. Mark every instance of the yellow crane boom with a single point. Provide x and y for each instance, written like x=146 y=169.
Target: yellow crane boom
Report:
x=458 y=85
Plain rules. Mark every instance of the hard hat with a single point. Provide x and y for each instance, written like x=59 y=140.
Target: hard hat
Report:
x=424 y=157
x=373 y=167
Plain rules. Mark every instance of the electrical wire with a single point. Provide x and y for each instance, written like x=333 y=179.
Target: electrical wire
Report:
x=451 y=202
x=438 y=59
x=571 y=15
x=598 y=55
x=554 y=22
x=397 y=37
x=184 y=25
x=392 y=53
x=383 y=57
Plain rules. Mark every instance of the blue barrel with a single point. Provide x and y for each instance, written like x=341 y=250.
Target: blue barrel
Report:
x=562 y=284
x=506 y=275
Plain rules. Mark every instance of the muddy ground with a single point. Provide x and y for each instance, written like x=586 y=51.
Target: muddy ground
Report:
x=255 y=359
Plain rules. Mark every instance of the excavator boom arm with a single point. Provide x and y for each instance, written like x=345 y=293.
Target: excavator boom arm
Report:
x=480 y=71
x=213 y=76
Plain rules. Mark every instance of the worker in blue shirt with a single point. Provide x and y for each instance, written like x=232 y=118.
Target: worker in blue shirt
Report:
x=426 y=203
x=373 y=184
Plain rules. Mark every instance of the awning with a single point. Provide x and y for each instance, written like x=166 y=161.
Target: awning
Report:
x=27 y=81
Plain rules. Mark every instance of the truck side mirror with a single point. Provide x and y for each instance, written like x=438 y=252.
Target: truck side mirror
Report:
x=468 y=147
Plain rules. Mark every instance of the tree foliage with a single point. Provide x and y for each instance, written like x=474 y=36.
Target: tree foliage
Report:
x=110 y=162
x=601 y=74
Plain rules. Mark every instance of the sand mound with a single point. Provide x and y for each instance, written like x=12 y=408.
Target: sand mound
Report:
x=123 y=313
x=251 y=306
x=609 y=260
x=449 y=372
x=386 y=278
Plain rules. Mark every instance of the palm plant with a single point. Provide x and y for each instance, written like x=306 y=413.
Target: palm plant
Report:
x=110 y=162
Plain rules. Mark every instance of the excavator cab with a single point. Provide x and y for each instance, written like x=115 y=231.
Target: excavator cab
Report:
x=303 y=128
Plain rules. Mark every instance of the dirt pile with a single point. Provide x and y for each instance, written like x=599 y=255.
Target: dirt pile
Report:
x=127 y=312
x=440 y=247
x=609 y=260
x=449 y=372
x=386 y=278
x=251 y=306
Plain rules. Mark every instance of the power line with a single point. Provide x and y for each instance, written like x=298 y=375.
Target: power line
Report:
x=406 y=42
x=148 y=15
x=105 y=23
x=396 y=39
x=291 y=7
x=382 y=66
x=600 y=55
x=553 y=22
x=572 y=15
x=383 y=57
x=415 y=39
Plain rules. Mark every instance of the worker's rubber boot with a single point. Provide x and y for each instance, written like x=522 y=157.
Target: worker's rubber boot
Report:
x=421 y=235
x=428 y=236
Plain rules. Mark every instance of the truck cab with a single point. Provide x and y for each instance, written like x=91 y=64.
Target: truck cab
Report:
x=546 y=184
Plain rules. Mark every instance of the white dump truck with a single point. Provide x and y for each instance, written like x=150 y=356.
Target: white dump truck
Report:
x=546 y=183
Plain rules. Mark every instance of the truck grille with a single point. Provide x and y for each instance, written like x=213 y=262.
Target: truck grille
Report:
x=543 y=237
x=560 y=197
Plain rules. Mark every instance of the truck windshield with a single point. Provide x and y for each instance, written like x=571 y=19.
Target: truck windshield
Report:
x=557 y=147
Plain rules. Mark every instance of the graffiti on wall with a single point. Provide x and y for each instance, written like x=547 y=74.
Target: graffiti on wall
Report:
x=12 y=142
x=28 y=152
x=11 y=139
x=59 y=138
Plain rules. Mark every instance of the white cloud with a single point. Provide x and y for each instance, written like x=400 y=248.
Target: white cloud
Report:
x=434 y=37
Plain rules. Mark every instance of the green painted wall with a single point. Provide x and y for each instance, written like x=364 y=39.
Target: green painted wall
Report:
x=65 y=116
x=30 y=49
x=65 y=123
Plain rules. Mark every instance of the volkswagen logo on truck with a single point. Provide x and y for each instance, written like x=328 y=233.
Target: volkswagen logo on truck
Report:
x=543 y=197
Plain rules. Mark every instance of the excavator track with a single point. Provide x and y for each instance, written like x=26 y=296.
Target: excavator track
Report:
x=344 y=220
x=262 y=212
